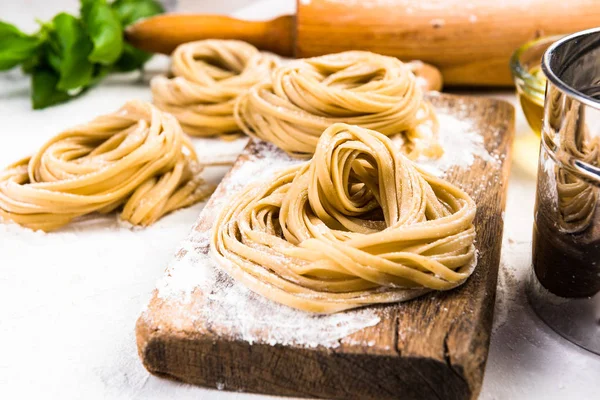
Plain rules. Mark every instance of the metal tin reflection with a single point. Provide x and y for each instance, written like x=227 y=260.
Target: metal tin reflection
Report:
x=565 y=283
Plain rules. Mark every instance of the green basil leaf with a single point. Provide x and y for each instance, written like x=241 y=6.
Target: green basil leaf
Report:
x=40 y=57
x=104 y=28
x=131 y=59
x=100 y=71
x=130 y=11
x=52 y=55
x=69 y=51
x=15 y=46
x=7 y=29
x=86 y=5
x=30 y=64
x=44 y=91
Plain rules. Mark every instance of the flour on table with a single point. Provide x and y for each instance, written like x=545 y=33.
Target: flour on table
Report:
x=510 y=290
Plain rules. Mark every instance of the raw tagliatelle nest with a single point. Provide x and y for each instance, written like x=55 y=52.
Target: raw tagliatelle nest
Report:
x=137 y=159
x=358 y=224
x=360 y=88
x=209 y=75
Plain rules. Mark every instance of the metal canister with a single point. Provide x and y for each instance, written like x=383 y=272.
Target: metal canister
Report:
x=564 y=288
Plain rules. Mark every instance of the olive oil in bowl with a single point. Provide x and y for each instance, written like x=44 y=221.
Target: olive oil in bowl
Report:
x=532 y=102
x=530 y=82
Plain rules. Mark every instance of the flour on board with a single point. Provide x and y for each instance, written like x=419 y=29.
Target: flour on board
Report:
x=231 y=307
x=461 y=143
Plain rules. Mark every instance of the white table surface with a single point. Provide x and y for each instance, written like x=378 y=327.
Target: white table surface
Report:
x=69 y=300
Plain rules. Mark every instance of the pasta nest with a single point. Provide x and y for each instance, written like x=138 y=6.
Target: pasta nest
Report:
x=355 y=87
x=358 y=224
x=208 y=77
x=137 y=158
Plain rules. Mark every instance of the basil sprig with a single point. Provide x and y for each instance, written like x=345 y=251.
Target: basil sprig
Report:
x=69 y=54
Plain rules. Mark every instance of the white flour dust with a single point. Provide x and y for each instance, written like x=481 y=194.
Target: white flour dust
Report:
x=217 y=150
x=462 y=145
x=510 y=293
x=232 y=308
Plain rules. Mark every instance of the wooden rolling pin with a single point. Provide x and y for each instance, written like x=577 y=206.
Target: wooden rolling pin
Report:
x=470 y=41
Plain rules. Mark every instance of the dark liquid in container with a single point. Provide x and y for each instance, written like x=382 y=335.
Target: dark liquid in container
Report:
x=566 y=264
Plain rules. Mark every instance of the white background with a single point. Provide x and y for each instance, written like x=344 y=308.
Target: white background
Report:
x=69 y=300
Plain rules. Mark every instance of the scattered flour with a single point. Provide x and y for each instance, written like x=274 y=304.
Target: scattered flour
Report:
x=510 y=291
x=462 y=145
x=231 y=307
x=218 y=151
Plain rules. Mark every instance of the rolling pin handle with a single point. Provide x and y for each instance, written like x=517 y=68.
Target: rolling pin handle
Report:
x=163 y=33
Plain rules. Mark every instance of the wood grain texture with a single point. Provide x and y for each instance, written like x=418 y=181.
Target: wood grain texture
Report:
x=470 y=43
x=432 y=347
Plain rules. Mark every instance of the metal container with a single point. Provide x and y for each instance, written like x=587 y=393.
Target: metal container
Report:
x=564 y=288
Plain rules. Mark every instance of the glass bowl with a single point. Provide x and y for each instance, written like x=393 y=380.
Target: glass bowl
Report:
x=525 y=65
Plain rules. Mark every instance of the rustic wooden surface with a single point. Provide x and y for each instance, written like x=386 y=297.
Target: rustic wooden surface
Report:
x=433 y=347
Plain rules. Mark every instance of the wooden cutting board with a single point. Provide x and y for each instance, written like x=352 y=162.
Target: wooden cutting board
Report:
x=204 y=328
